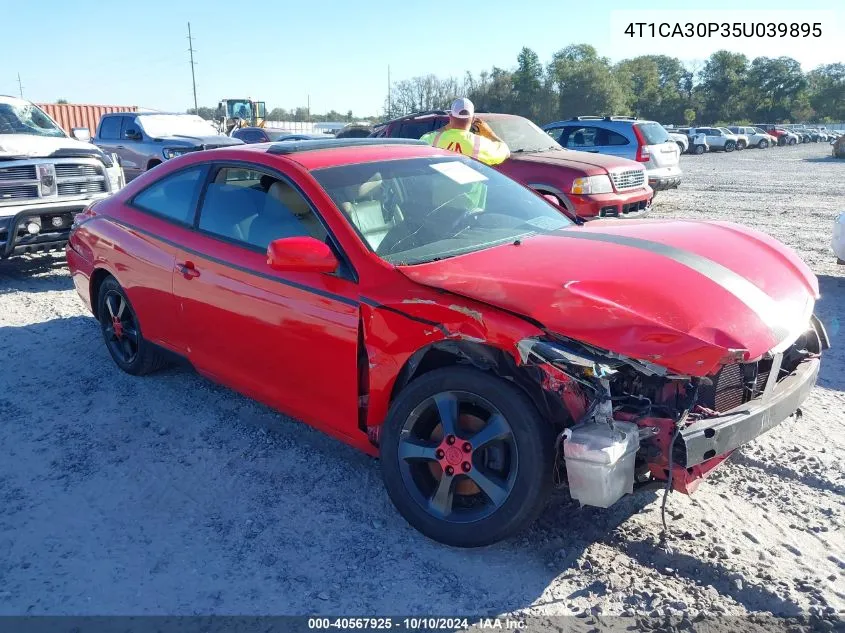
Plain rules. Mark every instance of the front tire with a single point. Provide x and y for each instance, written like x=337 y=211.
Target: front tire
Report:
x=763 y=144
x=793 y=141
x=699 y=150
x=122 y=332
x=740 y=145
x=465 y=457
x=730 y=146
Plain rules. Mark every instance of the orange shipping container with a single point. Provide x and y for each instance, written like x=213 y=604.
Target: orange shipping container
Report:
x=71 y=115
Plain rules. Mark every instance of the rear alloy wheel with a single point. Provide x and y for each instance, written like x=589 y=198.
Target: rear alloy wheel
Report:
x=763 y=144
x=730 y=146
x=122 y=332
x=699 y=150
x=465 y=457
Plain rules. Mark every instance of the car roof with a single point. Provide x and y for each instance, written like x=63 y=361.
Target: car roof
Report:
x=333 y=152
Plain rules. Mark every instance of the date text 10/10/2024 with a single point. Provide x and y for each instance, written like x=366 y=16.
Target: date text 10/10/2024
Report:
x=414 y=623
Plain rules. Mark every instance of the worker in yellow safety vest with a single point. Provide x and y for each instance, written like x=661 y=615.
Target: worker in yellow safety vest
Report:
x=456 y=136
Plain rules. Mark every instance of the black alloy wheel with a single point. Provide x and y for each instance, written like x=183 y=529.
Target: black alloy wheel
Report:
x=466 y=458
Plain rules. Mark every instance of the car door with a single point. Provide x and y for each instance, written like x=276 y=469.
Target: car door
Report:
x=108 y=135
x=156 y=220
x=130 y=148
x=289 y=339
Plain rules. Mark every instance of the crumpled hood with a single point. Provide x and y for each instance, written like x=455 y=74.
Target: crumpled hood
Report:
x=591 y=163
x=33 y=146
x=675 y=293
x=192 y=141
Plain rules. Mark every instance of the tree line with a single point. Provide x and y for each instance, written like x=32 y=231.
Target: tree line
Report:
x=726 y=88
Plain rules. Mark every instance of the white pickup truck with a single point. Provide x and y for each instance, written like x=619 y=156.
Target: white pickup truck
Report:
x=46 y=178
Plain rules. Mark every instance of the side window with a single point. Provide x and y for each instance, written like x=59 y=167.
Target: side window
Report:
x=256 y=208
x=130 y=123
x=614 y=138
x=415 y=128
x=110 y=128
x=582 y=137
x=173 y=197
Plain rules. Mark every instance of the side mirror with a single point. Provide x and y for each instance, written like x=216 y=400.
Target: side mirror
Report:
x=132 y=135
x=301 y=254
x=81 y=134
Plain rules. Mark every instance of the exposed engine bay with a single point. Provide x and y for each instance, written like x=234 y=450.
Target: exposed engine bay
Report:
x=687 y=425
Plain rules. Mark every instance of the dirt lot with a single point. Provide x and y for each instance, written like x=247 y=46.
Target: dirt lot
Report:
x=170 y=495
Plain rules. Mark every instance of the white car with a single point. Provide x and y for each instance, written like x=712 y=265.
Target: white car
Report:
x=681 y=139
x=46 y=178
x=717 y=138
x=756 y=137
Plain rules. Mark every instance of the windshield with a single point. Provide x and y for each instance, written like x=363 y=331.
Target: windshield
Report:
x=158 y=125
x=521 y=135
x=423 y=209
x=239 y=109
x=27 y=119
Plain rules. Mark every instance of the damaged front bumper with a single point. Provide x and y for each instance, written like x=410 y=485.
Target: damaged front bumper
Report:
x=708 y=438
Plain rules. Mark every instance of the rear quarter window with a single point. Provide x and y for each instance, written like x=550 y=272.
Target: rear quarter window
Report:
x=653 y=133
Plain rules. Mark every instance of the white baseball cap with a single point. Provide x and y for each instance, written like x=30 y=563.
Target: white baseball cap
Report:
x=462 y=109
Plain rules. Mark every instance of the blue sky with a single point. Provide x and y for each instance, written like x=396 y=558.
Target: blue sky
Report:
x=90 y=51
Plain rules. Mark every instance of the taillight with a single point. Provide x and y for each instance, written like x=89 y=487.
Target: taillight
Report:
x=643 y=154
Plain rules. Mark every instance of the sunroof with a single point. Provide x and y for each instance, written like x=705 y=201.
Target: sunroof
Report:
x=293 y=147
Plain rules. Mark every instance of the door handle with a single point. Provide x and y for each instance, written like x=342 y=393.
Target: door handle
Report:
x=188 y=270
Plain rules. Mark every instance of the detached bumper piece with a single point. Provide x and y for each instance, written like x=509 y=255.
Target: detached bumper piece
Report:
x=708 y=438
x=661 y=184
x=37 y=231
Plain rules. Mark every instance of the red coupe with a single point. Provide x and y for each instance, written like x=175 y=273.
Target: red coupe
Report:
x=427 y=309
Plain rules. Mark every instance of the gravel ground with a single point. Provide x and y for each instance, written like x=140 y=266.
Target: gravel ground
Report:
x=171 y=495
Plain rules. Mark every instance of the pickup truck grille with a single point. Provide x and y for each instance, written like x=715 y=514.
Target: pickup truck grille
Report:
x=52 y=180
x=18 y=192
x=629 y=179
x=20 y=172
x=76 y=171
x=79 y=188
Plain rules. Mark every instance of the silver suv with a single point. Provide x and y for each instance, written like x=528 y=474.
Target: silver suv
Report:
x=646 y=142
x=144 y=140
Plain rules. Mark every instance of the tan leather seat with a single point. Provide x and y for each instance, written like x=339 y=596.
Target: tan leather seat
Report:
x=285 y=214
x=366 y=211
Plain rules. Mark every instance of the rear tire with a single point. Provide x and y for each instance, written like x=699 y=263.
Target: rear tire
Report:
x=730 y=146
x=781 y=141
x=740 y=145
x=793 y=141
x=513 y=461
x=681 y=147
x=699 y=150
x=122 y=332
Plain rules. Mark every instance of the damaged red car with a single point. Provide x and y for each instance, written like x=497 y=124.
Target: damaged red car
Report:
x=430 y=311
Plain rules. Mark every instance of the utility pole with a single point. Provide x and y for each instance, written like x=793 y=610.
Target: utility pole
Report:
x=20 y=86
x=308 y=108
x=389 y=103
x=193 y=76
